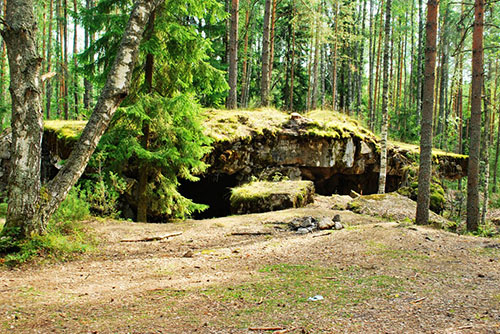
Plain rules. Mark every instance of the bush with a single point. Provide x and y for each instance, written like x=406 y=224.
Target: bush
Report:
x=102 y=195
x=75 y=207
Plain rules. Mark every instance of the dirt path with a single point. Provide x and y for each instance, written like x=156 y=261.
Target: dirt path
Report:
x=375 y=277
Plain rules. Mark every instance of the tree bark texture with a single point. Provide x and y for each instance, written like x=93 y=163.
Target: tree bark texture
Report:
x=30 y=206
x=264 y=84
x=424 y=172
x=20 y=35
x=475 y=120
x=231 y=102
x=385 y=98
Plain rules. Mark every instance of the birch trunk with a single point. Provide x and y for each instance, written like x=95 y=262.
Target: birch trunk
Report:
x=30 y=206
x=385 y=98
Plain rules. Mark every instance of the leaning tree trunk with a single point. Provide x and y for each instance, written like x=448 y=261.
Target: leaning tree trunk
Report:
x=30 y=206
x=385 y=98
x=475 y=119
x=424 y=172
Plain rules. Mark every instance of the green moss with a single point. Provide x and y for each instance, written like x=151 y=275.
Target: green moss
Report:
x=230 y=125
x=331 y=124
x=66 y=130
x=258 y=190
x=375 y=197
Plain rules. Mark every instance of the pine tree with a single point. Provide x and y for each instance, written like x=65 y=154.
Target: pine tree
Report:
x=424 y=172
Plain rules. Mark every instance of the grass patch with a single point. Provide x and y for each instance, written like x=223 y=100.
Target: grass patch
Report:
x=66 y=236
x=333 y=124
x=378 y=248
x=283 y=291
x=262 y=189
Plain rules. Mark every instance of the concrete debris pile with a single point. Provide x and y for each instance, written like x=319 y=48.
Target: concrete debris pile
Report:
x=308 y=224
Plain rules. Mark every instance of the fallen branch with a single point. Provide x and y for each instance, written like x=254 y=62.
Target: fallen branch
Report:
x=154 y=238
x=419 y=300
x=251 y=233
x=283 y=331
x=266 y=328
x=465 y=327
x=321 y=235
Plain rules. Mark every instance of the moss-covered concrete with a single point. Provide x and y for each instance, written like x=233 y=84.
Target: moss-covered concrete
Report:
x=65 y=130
x=262 y=196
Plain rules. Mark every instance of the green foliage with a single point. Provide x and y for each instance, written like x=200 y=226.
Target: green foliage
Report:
x=175 y=147
x=74 y=208
x=102 y=194
x=3 y=210
x=180 y=50
x=65 y=235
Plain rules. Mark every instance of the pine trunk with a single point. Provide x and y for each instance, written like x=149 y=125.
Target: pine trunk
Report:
x=425 y=171
x=244 y=75
x=264 y=85
x=75 y=64
x=232 y=98
x=475 y=120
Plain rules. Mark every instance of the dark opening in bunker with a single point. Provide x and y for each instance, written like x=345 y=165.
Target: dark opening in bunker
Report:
x=213 y=190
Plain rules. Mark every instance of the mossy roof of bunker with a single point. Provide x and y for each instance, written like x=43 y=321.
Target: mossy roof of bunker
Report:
x=415 y=149
x=66 y=130
x=263 y=189
x=243 y=124
x=231 y=125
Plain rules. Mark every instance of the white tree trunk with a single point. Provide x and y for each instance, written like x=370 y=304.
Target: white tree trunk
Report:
x=29 y=206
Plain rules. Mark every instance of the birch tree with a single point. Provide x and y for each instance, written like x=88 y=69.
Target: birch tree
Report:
x=30 y=205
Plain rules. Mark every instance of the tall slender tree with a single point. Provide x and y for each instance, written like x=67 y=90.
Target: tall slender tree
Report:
x=425 y=171
x=385 y=99
x=264 y=83
x=231 y=102
x=475 y=119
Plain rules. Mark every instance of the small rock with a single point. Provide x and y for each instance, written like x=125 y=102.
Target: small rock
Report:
x=326 y=223
x=336 y=218
x=338 y=226
x=307 y=222
x=189 y=253
x=303 y=230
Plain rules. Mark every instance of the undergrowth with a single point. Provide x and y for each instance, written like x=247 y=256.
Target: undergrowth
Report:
x=66 y=236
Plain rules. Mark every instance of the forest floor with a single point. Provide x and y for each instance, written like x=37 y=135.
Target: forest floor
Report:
x=376 y=276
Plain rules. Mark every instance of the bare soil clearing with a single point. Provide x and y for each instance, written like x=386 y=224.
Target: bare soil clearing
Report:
x=375 y=276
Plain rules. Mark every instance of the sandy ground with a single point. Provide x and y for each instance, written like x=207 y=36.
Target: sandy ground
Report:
x=376 y=276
